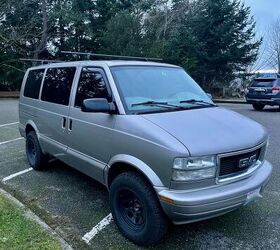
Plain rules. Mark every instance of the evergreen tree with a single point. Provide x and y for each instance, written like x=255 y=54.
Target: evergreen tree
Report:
x=216 y=39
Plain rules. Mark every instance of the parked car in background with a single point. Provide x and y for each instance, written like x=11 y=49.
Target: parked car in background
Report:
x=264 y=90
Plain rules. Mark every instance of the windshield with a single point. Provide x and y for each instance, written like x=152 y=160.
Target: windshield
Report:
x=155 y=88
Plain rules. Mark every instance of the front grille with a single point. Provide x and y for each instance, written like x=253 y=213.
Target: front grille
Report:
x=235 y=164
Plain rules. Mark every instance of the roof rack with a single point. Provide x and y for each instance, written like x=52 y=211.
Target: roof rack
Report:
x=88 y=55
x=42 y=61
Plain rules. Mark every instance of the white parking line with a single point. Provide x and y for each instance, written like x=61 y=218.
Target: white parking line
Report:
x=8 y=124
x=17 y=139
x=17 y=174
x=101 y=225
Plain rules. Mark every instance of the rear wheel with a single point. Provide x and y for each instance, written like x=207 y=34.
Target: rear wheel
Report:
x=258 y=106
x=136 y=209
x=36 y=158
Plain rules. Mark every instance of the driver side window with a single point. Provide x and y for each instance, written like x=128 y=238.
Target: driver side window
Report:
x=91 y=85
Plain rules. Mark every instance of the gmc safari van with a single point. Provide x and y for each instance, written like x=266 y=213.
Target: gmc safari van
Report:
x=150 y=134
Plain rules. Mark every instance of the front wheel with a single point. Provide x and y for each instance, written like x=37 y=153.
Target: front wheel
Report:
x=136 y=209
x=258 y=107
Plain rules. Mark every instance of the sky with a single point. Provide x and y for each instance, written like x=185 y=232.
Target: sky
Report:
x=265 y=12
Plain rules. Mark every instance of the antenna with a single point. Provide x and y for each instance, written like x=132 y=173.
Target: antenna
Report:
x=88 y=55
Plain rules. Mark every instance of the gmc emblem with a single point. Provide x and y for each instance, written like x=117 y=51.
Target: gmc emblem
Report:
x=247 y=162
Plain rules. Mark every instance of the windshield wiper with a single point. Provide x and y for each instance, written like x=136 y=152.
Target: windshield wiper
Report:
x=158 y=104
x=198 y=102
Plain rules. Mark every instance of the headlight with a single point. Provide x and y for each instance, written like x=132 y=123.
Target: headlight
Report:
x=198 y=168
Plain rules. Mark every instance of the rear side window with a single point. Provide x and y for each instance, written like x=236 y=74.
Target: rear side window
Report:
x=57 y=85
x=268 y=83
x=91 y=85
x=33 y=83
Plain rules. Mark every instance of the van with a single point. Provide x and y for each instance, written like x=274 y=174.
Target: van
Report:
x=150 y=134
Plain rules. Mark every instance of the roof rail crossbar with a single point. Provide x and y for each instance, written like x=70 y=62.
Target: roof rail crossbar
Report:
x=42 y=61
x=88 y=55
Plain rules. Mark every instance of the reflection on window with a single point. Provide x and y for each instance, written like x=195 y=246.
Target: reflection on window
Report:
x=91 y=85
x=57 y=85
x=33 y=83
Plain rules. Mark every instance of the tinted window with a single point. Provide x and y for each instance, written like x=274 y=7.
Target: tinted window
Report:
x=57 y=85
x=33 y=83
x=91 y=85
x=263 y=83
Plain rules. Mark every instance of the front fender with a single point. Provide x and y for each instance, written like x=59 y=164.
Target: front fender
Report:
x=138 y=164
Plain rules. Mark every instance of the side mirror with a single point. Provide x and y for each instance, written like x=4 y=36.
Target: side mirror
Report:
x=98 y=105
x=210 y=96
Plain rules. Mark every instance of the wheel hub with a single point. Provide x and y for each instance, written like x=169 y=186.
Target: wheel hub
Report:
x=131 y=209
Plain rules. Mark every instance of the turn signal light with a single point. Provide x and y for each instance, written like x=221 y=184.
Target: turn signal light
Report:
x=275 y=89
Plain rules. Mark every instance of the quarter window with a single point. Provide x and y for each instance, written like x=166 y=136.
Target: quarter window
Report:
x=57 y=85
x=33 y=83
x=91 y=85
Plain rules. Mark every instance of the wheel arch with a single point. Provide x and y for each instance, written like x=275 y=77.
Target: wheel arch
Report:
x=122 y=163
x=30 y=126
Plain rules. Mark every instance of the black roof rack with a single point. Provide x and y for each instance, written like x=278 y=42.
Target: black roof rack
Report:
x=89 y=54
x=42 y=61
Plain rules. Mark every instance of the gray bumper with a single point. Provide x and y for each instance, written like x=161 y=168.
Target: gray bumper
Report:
x=195 y=205
x=272 y=101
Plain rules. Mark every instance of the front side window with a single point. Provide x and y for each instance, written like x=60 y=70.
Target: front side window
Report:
x=57 y=85
x=91 y=85
x=156 y=88
x=33 y=83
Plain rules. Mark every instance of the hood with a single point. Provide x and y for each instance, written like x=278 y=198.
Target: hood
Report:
x=210 y=130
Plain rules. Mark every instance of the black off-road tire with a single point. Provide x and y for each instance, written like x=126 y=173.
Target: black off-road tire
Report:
x=36 y=158
x=258 y=107
x=152 y=223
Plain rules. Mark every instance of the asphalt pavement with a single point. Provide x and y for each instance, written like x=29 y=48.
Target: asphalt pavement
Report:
x=73 y=204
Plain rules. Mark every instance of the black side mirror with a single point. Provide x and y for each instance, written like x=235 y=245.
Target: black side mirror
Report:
x=98 y=105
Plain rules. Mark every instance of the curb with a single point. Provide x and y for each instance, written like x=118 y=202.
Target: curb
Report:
x=9 y=97
x=30 y=215
x=230 y=101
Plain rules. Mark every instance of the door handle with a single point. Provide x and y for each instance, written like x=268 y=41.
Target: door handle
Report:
x=70 y=124
x=64 y=122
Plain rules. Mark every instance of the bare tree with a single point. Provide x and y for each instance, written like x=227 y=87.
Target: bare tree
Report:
x=274 y=45
x=44 y=36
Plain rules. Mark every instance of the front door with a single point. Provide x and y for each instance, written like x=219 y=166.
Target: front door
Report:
x=89 y=133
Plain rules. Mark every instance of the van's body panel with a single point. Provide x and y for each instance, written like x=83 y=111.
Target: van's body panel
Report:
x=214 y=126
x=93 y=143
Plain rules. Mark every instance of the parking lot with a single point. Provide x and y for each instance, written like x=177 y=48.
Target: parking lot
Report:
x=74 y=205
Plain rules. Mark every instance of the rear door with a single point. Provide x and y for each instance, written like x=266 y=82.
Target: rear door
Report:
x=89 y=134
x=54 y=109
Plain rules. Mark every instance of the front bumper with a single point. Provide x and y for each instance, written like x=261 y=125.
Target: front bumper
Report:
x=195 y=205
x=272 y=101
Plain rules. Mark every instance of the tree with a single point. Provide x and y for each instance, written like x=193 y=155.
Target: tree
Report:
x=216 y=39
x=211 y=39
x=274 y=46
x=122 y=35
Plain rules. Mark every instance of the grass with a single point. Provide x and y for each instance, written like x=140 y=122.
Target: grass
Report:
x=18 y=232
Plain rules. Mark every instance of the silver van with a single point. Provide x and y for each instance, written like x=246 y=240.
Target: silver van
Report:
x=150 y=134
